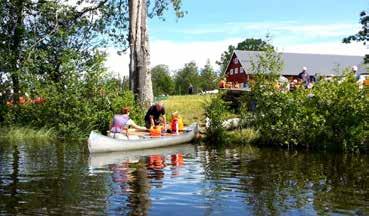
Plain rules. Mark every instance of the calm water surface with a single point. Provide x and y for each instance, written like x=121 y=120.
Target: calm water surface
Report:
x=63 y=179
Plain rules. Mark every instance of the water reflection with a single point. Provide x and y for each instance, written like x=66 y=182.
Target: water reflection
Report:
x=135 y=179
x=60 y=178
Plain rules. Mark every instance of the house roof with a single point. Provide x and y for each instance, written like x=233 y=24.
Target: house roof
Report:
x=316 y=63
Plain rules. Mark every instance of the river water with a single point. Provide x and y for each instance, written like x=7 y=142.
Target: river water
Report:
x=64 y=179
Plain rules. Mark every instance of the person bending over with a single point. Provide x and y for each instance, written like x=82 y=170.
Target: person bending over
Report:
x=155 y=115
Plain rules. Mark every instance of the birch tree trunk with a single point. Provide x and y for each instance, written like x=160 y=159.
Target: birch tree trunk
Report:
x=16 y=32
x=139 y=75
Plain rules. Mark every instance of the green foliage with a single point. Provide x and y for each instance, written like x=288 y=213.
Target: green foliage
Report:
x=162 y=82
x=77 y=105
x=363 y=34
x=201 y=79
x=185 y=77
x=331 y=116
x=249 y=44
x=208 y=78
x=215 y=112
x=243 y=137
x=48 y=49
x=37 y=36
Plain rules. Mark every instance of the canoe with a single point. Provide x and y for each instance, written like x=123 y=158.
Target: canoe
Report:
x=100 y=143
x=99 y=160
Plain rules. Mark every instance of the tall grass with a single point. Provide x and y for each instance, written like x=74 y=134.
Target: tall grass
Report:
x=26 y=133
x=190 y=107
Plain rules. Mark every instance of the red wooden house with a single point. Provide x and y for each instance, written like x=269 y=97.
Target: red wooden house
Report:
x=238 y=69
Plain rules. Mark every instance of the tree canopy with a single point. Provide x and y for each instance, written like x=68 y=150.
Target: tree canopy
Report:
x=363 y=34
x=208 y=78
x=162 y=82
x=38 y=37
x=51 y=49
x=187 y=76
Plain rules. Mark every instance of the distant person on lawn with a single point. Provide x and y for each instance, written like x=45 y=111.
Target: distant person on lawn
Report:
x=155 y=115
x=190 y=89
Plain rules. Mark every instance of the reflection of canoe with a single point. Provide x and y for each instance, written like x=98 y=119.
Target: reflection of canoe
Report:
x=101 y=143
x=98 y=160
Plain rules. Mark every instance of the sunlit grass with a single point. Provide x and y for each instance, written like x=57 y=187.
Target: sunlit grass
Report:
x=190 y=107
x=26 y=133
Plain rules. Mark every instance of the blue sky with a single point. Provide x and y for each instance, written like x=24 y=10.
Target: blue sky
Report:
x=314 y=26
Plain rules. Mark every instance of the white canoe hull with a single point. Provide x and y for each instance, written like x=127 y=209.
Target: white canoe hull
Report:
x=100 y=143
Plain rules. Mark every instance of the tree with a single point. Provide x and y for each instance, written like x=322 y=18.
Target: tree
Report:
x=186 y=77
x=12 y=32
x=140 y=76
x=208 y=78
x=44 y=33
x=363 y=34
x=249 y=44
x=161 y=80
x=38 y=38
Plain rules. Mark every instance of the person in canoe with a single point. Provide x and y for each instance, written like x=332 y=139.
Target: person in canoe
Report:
x=176 y=124
x=121 y=122
x=155 y=115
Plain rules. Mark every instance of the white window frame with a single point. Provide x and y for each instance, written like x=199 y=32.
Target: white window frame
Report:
x=236 y=71
x=231 y=72
x=242 y=70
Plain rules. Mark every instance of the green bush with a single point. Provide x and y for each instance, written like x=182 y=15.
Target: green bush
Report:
x=215 y=113
x=79 y=103
x=333 y=115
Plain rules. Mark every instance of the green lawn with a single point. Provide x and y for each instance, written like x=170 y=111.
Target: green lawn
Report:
x=190 y=107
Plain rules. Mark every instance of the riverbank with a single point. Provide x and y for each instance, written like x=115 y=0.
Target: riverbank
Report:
x=26 y=133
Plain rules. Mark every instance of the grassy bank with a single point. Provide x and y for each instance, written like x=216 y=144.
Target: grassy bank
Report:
x=25 y=133
x=190 y=107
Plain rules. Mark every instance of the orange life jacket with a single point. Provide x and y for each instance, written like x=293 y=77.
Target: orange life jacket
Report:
x=155 y=131
x=156 y=162
x=177 y=159
x=176 y=124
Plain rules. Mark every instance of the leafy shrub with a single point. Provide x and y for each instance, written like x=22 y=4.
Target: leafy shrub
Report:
x=81 y=102
x=215 y=113
x=334 y=115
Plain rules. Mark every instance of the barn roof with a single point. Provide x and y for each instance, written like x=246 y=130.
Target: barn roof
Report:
x=316 y=63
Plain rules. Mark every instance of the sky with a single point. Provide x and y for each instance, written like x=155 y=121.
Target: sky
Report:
x=210 y=26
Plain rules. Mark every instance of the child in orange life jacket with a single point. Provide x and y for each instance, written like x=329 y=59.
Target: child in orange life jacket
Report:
x=176 y=123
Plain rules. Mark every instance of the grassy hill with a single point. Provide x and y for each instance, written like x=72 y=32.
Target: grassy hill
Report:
x=190 y=107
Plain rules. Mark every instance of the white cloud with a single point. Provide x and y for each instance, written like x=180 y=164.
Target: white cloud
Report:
x=117 y=64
